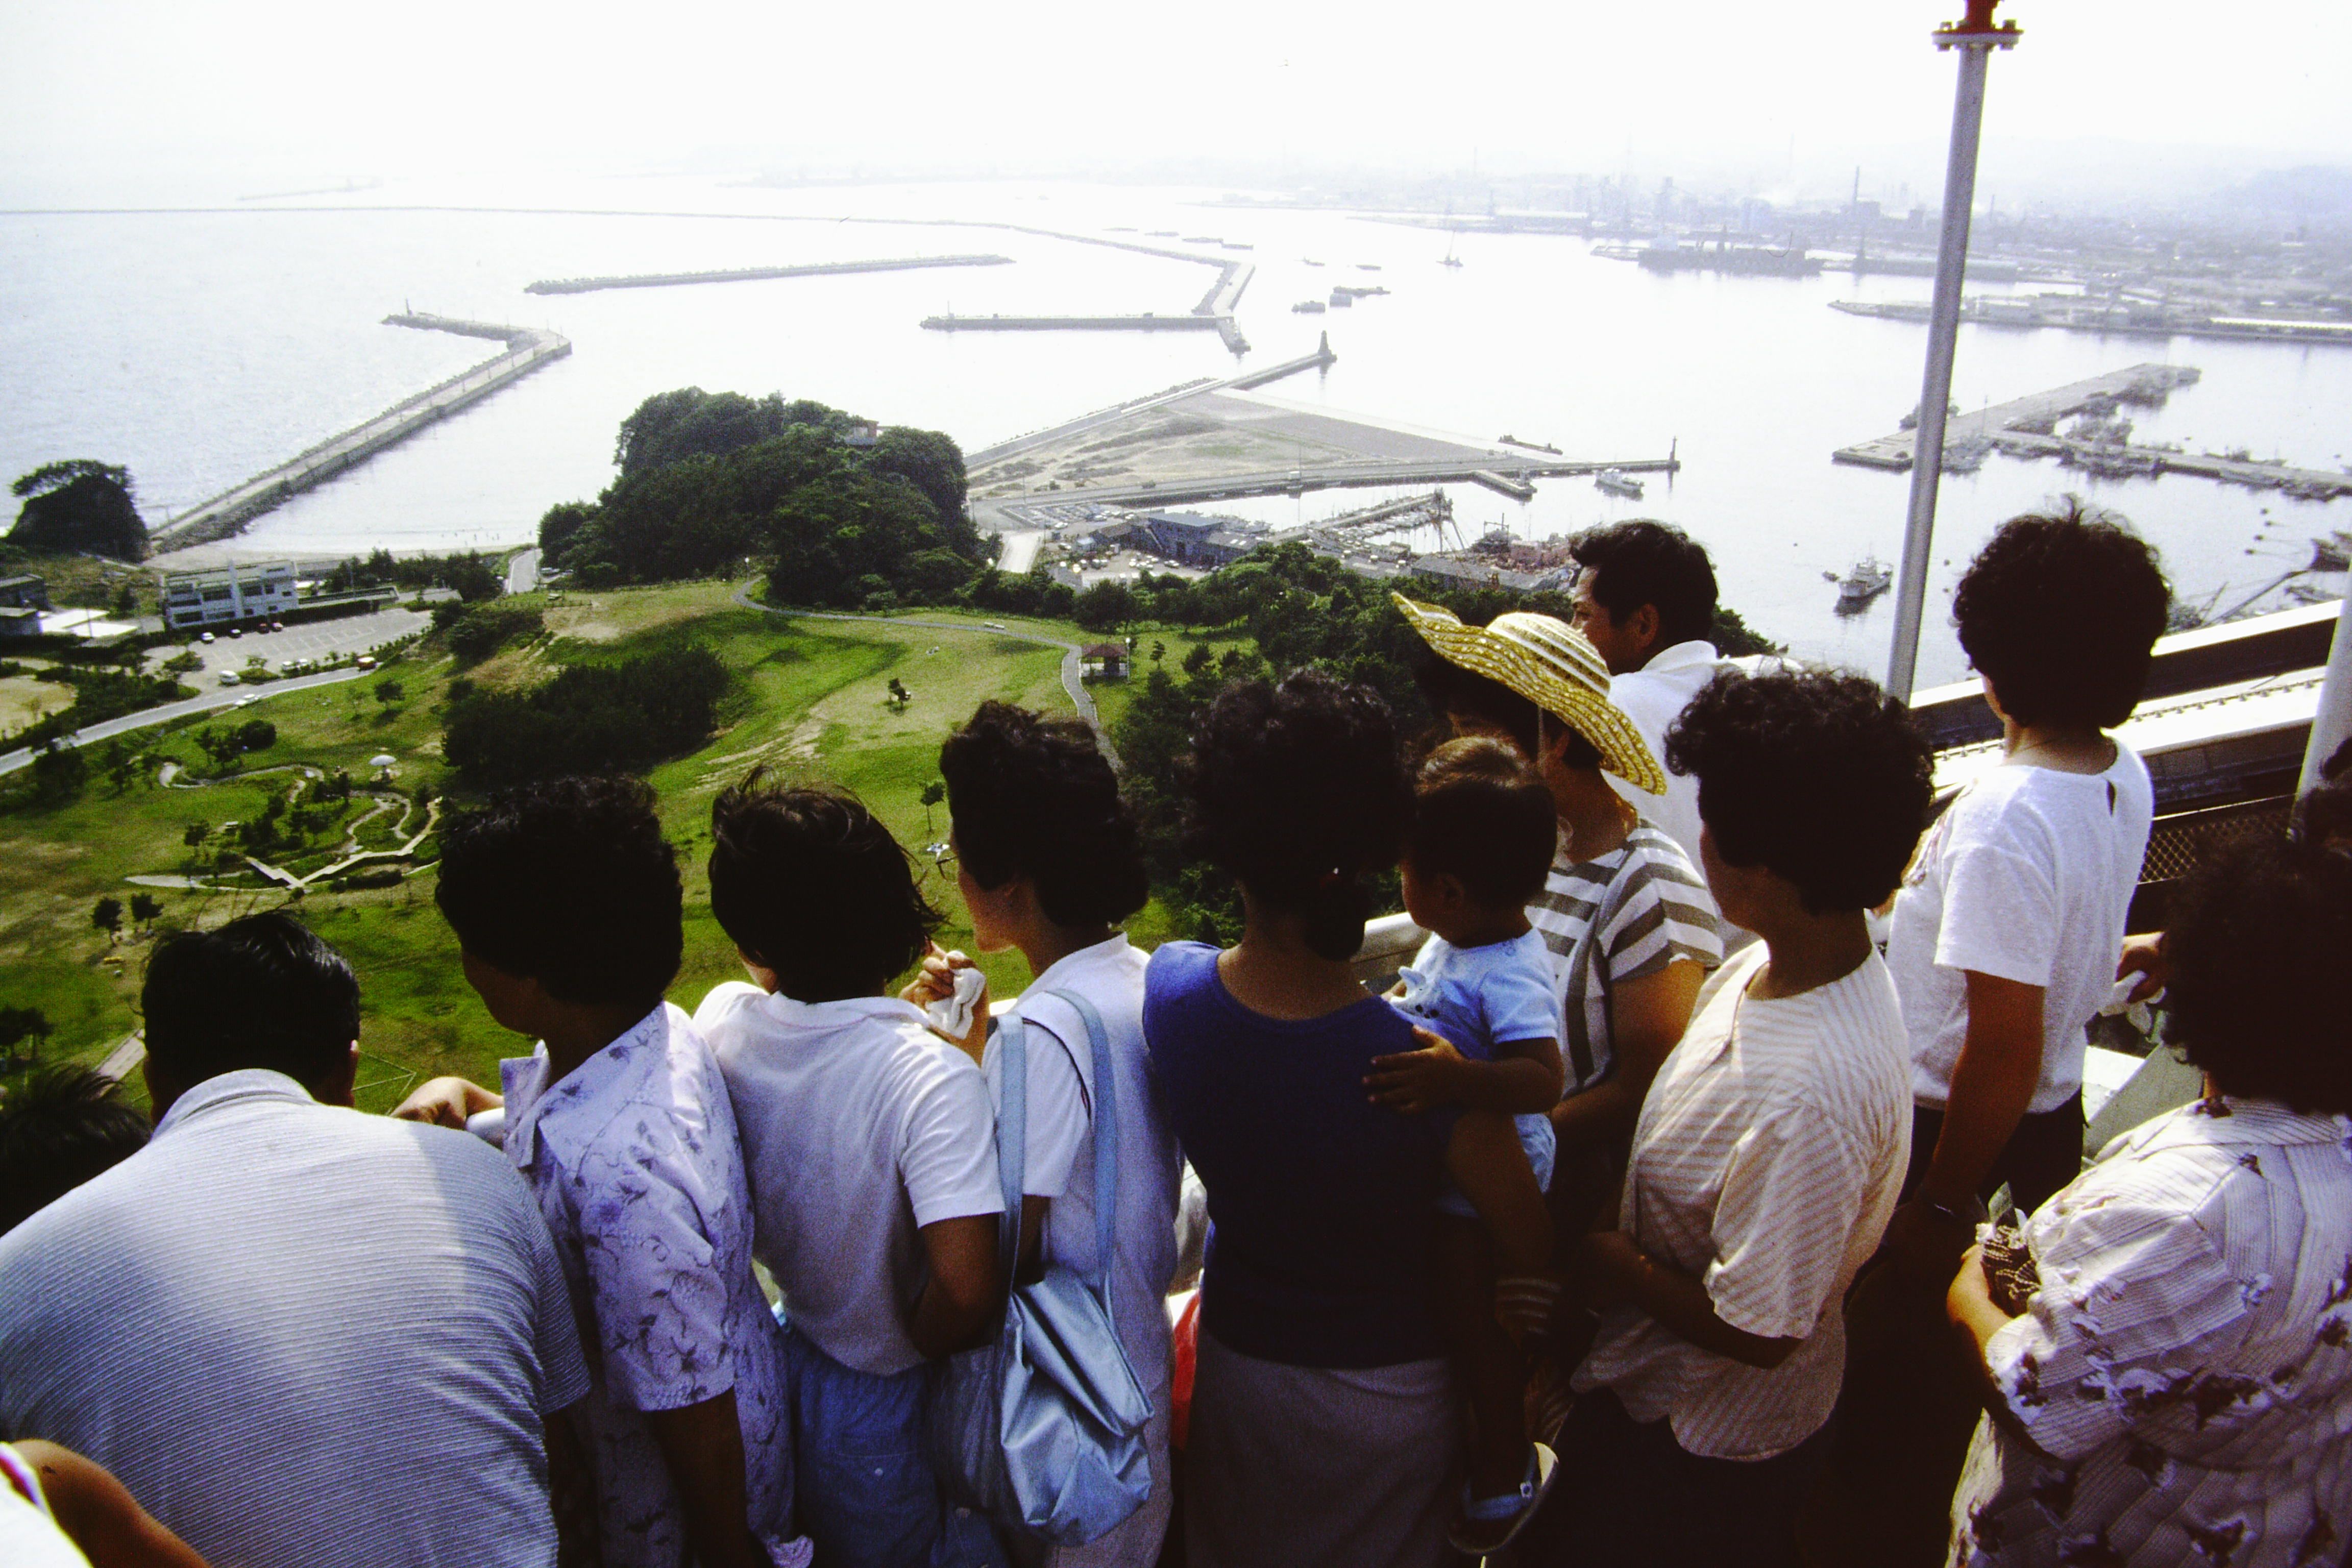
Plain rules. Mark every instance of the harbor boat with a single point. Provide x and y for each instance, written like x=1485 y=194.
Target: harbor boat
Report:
x=1161 y=233
x=1618 y=484
x=1309 y=308
x=1368 y=267
x=1966 y=455
x=1449 y=258
x=1308 y=261
x=1203 y=239
x=1869 y=579
x=1236 y=245
x=1531 y=446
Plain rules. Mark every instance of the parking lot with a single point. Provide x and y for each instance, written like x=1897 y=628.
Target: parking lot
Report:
x=307 y=640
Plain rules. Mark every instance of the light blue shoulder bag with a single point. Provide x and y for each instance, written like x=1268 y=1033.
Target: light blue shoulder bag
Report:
x=1043 y=1430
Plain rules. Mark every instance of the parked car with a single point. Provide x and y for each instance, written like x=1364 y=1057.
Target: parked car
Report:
x=228 y=678
x=237 y=631
x=207 y=636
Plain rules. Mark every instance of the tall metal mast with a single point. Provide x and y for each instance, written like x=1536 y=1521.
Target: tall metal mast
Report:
x=1975 y=37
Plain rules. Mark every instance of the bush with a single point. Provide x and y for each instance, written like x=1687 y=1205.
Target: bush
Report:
x=588 y=718
x=477 y=631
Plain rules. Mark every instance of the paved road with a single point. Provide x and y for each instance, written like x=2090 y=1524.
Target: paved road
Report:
x=209 y=702
x=522 y=570
x=1080 y=698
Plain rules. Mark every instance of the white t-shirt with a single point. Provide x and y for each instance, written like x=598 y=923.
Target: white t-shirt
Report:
x=1059 y=1161
x=1767 y=1161
x=2027 y=877
x=1653 y=697
x=860 y=1127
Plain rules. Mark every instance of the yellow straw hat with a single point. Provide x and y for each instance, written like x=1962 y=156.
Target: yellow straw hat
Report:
x=1551 y=664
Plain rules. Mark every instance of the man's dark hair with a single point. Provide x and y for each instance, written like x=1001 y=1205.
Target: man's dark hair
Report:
x=1821 y=779
x=2257 y=949
x=1035 y=797
x=1450 y=689
x=1481 y=811
x=261 y=992
x=810 y=884
x=1644 y=563
x=1300 y=789
x=567 y=882
x=59 y=1128
x=2061 y=612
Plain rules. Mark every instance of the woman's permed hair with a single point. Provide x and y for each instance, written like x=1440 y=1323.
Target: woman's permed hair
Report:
x=1481 y=813
x=1299 y=791
x=810 y=885
x=567 y=882
x=2257 y=948
x=1035 y=797
x=2061 y=612
x=1821 y=779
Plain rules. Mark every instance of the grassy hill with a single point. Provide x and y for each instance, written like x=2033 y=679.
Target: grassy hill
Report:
x=810 y=700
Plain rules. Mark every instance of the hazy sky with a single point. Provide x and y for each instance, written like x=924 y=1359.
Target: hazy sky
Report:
x=185 y=99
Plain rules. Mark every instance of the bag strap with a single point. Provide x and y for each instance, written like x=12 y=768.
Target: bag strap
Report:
x=1106 y=1109
x=1011 y=1140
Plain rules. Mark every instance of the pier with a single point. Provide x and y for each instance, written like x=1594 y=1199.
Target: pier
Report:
x=2038 y=414
x=753 y=274
x=1517 y=489
x=1349 y=476
x=1214 y=312
x=1147 y=322
x=2027 y=427
x=527 y=349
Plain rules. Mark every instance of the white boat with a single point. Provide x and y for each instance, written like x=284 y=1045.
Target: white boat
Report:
x=1618 y=484
x=1870 y=578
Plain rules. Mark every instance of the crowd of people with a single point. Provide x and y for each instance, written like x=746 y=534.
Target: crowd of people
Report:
x=1644 y=1217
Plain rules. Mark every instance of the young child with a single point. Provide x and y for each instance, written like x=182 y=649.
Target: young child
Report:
x=1481 y=839
x=566 y=902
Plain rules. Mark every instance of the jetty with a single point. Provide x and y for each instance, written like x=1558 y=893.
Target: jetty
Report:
x=2120 y=319
x=2027 y=427
x=1485 y=470
x=755 y=274
x=527 y=349
x=1214 y=312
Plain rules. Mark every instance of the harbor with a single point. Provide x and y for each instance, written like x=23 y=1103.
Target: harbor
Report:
x=527 y=350
x=755 y=274
x=2028 y=427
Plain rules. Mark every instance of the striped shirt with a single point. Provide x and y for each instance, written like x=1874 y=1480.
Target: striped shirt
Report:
x=299 y=1335
x=2186 y=1367
x=1659 y=911
x=1765 y=1165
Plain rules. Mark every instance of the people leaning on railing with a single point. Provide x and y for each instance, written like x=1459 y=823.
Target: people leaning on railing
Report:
x=301 y=1335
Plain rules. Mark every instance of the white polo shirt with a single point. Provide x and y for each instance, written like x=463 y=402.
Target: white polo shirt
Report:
x=298 y=1334
x=860 y=1127
x=1653 y=697
x=1766 y=1163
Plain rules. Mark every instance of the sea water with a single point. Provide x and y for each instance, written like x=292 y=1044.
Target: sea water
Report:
x=201 y=347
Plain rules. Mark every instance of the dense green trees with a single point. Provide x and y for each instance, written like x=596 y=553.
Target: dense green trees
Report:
x=79 y=505
x=708 y=481
x=588 y=718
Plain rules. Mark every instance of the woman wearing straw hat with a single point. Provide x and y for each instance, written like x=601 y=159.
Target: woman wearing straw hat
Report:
x=1632 y=927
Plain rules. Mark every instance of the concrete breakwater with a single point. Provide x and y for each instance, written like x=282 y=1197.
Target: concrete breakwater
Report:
x=527 y=349
x=2038 y=413
x=751 y=274
x=1349 y=476
x=1214 y=312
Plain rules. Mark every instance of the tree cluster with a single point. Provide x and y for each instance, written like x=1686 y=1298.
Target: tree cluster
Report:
x=474 y=578
x=474 y=632
x=80 y=506
x=588 y=718
x=711 y=480
x=99 y=695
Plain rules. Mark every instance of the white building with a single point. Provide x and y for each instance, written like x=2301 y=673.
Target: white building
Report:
x=247 y=590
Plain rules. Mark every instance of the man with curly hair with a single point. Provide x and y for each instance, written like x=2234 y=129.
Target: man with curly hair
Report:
x=2004 y=944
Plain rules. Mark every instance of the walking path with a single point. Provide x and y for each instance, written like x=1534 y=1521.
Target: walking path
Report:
x=1072 y=682
x=209 y=702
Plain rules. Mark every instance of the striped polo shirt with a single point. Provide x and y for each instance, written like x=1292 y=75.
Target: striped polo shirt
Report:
x=1659 y=911
x=300 y=1336
x=1765 y=1165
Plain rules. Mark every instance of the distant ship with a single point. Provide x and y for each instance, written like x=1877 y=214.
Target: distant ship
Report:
x=1368 y=267
x=1311 y=308
x=1341 y=298
x=1618 y=484
x=1722 y=256
x=1449 y=258
x=1309 y=261
x=1236 y=245
x=1856 y=590
x=1203 y=239
x=1161 y=233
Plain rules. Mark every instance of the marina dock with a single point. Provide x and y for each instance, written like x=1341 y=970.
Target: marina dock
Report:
x=753 y=274
x=2027 y=427
x=527 y=349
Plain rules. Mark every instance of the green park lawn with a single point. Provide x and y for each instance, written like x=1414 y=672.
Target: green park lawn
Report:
x=810 y=704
